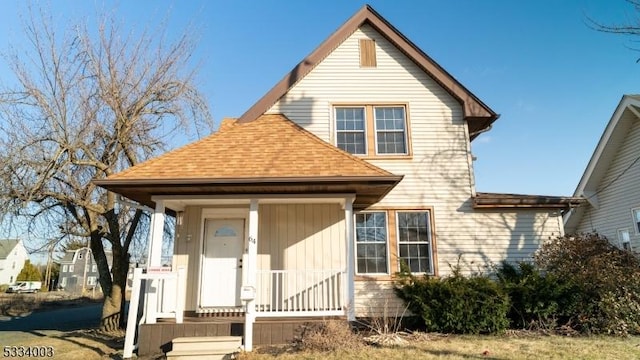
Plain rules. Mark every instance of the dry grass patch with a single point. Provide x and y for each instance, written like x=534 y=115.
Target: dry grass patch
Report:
x=435 y=346
x=75 y=345
x=332 y=335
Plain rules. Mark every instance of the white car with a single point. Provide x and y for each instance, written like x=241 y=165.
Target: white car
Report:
x=25 y=287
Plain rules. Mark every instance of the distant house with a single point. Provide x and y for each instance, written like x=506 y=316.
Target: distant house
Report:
x=78 y=266
x=611 y=181
x=12 y=258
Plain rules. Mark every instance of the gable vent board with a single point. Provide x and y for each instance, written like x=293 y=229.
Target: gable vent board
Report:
x=367 y=53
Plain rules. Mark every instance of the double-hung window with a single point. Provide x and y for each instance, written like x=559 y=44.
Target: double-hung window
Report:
x=371 y=243
x=390 y=130
x=414 y=240
x=372 y=130
x=351 y=130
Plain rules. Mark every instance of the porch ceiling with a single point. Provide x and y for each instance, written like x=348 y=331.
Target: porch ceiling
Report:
x=367 y=189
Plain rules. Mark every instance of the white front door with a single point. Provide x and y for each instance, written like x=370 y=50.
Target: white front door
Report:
x=221 y=272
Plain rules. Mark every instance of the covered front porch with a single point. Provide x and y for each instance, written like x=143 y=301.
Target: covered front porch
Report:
x=243 y=259
x=264 y=214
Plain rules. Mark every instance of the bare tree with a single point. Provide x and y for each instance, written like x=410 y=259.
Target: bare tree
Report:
x=629 y=27
x=88 y=104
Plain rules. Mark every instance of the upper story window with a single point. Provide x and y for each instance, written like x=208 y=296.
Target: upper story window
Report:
x=390 y=130
x=372 y=130
x=350 y=130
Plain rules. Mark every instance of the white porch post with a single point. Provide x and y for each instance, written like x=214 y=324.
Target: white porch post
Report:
x=252 y=268
x=350 y=296
x=154 y=259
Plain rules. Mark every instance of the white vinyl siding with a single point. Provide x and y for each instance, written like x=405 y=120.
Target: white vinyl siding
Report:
x=618 y=195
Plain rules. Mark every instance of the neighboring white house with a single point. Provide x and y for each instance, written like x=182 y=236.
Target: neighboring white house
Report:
x=360 y=158
x=611 y=181
x=12 y=258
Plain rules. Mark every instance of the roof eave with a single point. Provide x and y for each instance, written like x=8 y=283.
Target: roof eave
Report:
x=515 y=201
x=368 y=189
x=106 y=183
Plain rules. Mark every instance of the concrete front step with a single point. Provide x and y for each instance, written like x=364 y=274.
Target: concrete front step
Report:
x=205 y=347
x=199 y=355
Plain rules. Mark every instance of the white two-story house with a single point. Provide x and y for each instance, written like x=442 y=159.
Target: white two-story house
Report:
x=12 y=258
x=305 y=206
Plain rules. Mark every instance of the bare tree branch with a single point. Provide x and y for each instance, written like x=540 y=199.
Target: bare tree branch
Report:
x=89 y=103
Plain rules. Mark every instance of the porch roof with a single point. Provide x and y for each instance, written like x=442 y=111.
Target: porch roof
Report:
x=502 y=201
x=271 y=155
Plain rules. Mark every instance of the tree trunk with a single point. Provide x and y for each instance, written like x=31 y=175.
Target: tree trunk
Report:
x=113 y=309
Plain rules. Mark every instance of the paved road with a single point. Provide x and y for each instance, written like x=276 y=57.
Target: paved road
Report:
x=66 y=319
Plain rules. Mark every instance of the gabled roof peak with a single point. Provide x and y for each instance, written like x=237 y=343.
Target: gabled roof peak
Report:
x=478 y=115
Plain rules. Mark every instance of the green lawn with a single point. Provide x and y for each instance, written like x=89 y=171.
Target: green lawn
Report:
x=481 y=347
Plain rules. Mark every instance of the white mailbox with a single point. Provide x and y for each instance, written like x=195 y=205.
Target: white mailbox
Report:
x=247 y=293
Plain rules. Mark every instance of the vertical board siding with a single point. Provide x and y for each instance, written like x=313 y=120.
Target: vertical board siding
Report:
x=439 y=172
x=617 y=196
x=187 y=243
x=301 y=236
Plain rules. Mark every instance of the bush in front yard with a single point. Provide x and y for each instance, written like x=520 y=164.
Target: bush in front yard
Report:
x=455 y=304
x=538 y=301
x=607 y=281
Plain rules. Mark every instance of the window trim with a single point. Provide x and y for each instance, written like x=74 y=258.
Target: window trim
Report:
x=635 y=216
x=387 y=244
x=431 y=232
x=371 y=143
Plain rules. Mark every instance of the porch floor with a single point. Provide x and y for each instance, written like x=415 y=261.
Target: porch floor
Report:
x=156 y=338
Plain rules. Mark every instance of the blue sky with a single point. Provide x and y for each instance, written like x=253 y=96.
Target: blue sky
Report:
x=554 y=80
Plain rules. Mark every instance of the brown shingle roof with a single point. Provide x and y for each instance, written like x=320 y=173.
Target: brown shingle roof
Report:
x=270 y=147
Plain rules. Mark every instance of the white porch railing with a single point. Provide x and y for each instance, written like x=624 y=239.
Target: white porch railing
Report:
x=300 y=293
x=168 y=289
